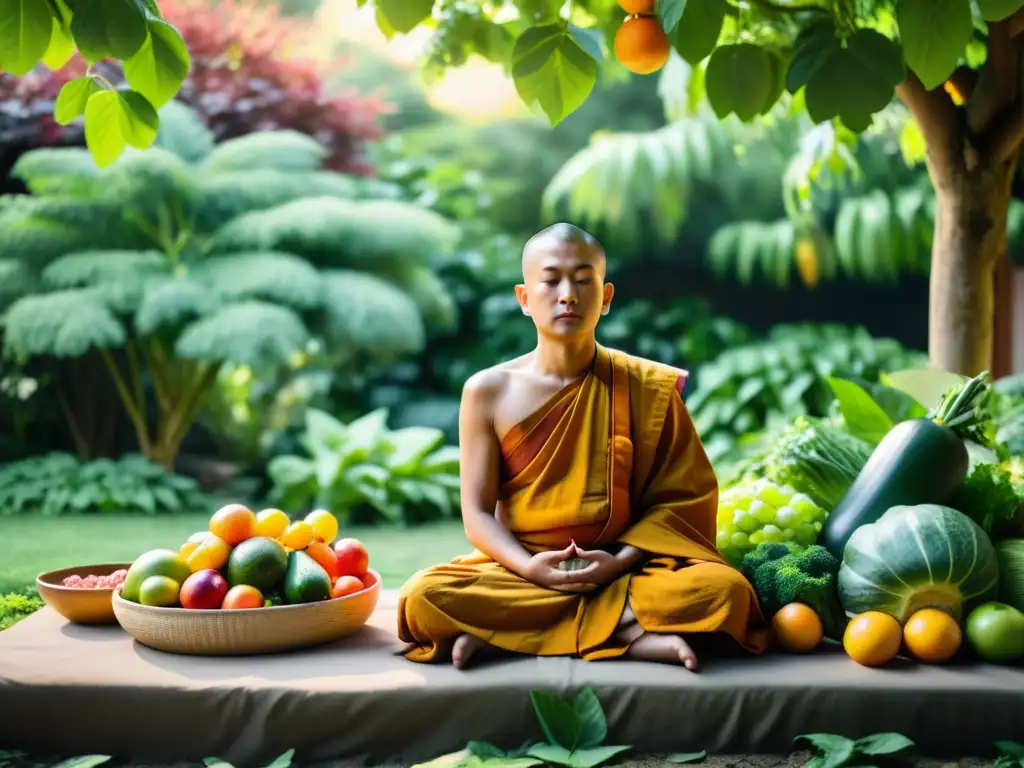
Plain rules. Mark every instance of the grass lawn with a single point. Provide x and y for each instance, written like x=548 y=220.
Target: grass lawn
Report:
x=33 y=545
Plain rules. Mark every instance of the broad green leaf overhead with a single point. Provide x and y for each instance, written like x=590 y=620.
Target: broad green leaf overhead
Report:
x=49 y=32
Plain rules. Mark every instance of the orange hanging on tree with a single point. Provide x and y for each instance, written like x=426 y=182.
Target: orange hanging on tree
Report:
x=641 y=45
x=637 y=7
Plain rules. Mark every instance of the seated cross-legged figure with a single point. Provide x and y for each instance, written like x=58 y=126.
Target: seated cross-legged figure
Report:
x=587 y=495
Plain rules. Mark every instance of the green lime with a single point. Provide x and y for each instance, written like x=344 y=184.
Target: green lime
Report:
x=160 y=591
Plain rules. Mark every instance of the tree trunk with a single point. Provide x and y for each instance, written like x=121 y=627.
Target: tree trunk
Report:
x=969 y=241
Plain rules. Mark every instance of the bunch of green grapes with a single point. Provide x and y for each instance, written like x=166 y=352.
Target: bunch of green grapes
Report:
x=760 y=510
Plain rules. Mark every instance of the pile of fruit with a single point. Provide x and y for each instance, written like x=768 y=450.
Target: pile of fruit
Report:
x=92 y=581
x=889 y=543
x=249 y=560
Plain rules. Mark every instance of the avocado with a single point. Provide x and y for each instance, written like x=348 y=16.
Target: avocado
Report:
x=305 y=581
x=259 y=562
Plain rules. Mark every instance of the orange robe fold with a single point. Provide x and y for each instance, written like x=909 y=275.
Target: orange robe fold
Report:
x=610 y=460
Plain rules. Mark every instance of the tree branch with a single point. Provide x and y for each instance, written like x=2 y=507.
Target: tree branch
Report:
x=998 y=83
x=939 y=119
x=141 y=432
x=1015 y=24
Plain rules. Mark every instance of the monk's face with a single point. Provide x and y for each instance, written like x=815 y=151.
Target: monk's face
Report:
x=563 y=288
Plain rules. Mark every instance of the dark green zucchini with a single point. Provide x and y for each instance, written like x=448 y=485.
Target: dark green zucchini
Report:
x=919 y=461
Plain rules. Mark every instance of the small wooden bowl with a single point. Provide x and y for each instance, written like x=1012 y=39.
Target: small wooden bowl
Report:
x=80 y=605
x=247 y=631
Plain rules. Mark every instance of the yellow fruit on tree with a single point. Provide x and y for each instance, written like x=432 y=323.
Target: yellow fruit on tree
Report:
x=324 y=525
x=641 y=45
x=271 y=523
x=807 y=263
x=298 y=536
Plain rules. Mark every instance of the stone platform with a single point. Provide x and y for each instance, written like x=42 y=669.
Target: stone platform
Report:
x=78 y=690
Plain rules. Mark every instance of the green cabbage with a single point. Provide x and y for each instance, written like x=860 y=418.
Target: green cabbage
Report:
x=1010 y=556
x=914 y=557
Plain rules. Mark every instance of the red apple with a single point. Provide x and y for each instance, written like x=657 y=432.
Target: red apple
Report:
x=353 y=559
x=203 y=590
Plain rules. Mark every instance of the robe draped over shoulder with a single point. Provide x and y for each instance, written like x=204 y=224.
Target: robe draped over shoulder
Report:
x=609 y=460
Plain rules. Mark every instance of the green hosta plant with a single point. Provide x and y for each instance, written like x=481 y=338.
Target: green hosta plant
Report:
x=401 y=475
x=134 y=32
x=176 y=264
x=60 y=484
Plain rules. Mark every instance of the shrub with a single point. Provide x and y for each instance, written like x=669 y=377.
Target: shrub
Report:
x=58 y=483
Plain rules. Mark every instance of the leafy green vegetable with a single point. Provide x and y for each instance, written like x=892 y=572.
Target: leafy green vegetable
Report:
x=990 y=496
x=784 y=573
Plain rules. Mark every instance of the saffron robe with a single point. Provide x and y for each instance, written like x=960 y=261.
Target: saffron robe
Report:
x=611 y=459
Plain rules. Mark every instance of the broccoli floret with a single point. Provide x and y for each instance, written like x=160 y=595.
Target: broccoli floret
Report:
x=786 y=573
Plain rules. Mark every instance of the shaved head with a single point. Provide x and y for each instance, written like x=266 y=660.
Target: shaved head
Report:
x=564 y=237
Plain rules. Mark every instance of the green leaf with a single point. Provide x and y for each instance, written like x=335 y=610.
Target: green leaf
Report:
x=558 y=720
x=26 y=28
x=61 y=47
x=681 y=758
x=934 y=34
x=158 y=69
x=864 y=417
x=826 y=742
x=997 y=10
x=883 y=744
x=738 y=79
x=115 y=119
x=108 y=28
x=83 y=761
x=404 y=15
x=73 y=97
x=815 y=45
x=594 y=756
x=551 y=754
x=593 y=726
x=670 y=12
x=250 y=333
x=878 y=54
x=698 y=30
x=552 y=70
x=925 y=385
x=843 y=86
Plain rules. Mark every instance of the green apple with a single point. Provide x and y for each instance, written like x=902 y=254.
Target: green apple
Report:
x=996 y=632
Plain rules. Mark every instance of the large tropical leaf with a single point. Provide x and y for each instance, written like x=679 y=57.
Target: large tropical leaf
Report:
x=227 y=194
x=94 y=267
x=283 y=150
x=154 y=188
x=57 y=171
x=63 y=323
x=253 y=333
x=435 y=301
x=183 y=133
x=341 y=233
x=172 y=302
x=366 y=313
x=278 y=277
x=624 y=180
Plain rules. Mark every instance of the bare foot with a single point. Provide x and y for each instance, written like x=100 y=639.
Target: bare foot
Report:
x=668 y=649
x=465 y=648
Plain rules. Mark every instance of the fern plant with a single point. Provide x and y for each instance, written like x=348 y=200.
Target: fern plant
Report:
x=180 y=261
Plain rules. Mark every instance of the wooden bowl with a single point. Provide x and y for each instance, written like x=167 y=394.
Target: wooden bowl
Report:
x=80 y=605
x=247 y=631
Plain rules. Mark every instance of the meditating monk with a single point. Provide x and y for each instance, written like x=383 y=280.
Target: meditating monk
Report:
x=586 y=493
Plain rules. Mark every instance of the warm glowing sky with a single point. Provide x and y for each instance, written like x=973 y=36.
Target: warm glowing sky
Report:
x=478 y=91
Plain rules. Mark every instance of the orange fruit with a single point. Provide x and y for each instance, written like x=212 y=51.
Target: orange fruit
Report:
x=271 y=523
x=637 y=7
x=641 y=46
x=872 y=638
x=324 y=555
x=233 y=523
x=299 y=535
x=347 y=585
x=211 y=553
x=798 y=628
x=242 y=596
x=932 y=636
